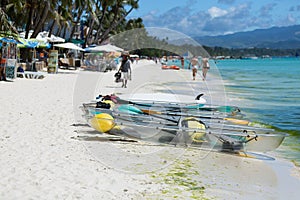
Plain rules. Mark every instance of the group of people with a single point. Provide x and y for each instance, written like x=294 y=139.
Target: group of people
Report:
x=125 y=69
x=195 y=66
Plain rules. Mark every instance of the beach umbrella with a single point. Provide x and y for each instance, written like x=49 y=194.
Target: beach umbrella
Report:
x=54 y=39
x=105 y=48
x=69 y=45
x=114 y=47
x=43 y=36
x=99 y=49
x=10 y=40
x=32 y=43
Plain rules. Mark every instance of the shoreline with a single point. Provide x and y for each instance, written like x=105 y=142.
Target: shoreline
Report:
x=48 y=153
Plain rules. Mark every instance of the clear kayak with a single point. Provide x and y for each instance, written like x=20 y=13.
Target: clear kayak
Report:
x=199 y=131
x=169 y=102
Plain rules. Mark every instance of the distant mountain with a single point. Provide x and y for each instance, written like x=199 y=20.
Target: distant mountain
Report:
x=274 y=38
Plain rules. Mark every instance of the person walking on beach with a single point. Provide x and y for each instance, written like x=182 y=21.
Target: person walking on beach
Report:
x=205 y=68
x=182 y=62
x=125 y=68
x=2 y=69
x=195 y=65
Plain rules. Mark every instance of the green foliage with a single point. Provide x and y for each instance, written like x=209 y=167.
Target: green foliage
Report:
x=259 y=52
x=63 y=16
x=5 y=27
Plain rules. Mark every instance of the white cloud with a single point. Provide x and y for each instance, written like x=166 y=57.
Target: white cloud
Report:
x=291 y=19
x=218 y=21
x=216 y=12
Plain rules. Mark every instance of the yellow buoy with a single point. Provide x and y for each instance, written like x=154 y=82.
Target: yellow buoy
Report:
x=102 y=122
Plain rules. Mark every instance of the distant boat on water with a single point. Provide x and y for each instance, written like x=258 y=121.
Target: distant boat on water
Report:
x=250 y=57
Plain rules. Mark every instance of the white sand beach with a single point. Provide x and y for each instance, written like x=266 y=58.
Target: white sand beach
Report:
x=48 y=152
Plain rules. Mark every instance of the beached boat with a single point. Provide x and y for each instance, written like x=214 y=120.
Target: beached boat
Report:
x=130 y=121
x=174 y=67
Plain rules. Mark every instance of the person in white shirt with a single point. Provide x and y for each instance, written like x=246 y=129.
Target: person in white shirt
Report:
x=195 y=65
x=205 y=67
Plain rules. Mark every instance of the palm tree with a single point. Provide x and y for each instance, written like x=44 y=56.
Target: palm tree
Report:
x=119 y=13
x=5 y=26
x=105 y=16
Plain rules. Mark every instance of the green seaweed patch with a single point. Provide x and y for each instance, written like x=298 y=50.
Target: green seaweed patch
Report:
x=198 y=188
x=295 y=163
x=277 y=129
x=181 y=181
x=165 y=191
x=181 y=174
x=295 y=148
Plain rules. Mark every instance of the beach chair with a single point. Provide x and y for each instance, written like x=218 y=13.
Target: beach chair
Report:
x=88 y=65
x=30 y=75
x=63 y=63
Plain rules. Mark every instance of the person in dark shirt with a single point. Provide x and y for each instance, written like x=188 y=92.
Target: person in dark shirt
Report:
x=125 y=68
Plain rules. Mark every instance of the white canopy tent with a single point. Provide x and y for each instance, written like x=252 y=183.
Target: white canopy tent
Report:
x=69 y=45
x=52 y=38
x=43 y=36
x=105 y=48
x=114 y=47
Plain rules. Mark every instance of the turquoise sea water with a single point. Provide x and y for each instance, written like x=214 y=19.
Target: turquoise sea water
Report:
x=270 y=94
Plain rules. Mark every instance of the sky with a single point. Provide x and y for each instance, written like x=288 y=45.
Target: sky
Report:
x=217 y=17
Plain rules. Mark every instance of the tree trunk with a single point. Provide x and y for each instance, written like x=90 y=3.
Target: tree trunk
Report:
x=77 y=21
x=86 y=42
x=101 y=22
x=30 y=17
x=42 y=20
x=51 y=28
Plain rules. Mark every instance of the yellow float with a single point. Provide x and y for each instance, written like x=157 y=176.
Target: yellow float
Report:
x=102 y=122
